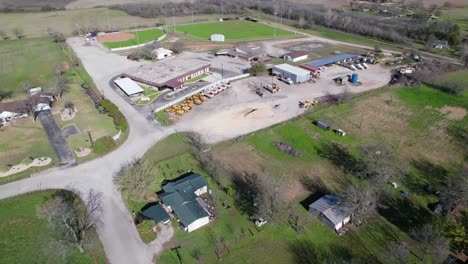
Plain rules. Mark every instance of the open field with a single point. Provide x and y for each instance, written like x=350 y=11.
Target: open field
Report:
x=23 y=228
x=32 y=6
x=273 y=243
x=34 y=60
x=232 y=30
x=24 y=60
x=36 y=24
x=458 y=16
x=141 y=36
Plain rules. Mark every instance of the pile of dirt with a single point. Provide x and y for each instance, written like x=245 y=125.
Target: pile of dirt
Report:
x=115 y=37
x=286 y=148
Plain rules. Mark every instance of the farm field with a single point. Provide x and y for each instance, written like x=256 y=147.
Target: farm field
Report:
x=66 y=21
x=399 y=117
x=141 y=36
x=23 y=227
x=35 y=61
x=274 y=243
x=232 y=30
x=459 y=16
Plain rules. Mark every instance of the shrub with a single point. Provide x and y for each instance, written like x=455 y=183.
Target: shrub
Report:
x=258 y=69
x=103 y=145
x=113 y=111
x=4 y=169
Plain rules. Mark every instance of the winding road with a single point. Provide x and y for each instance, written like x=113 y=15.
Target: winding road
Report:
x=118 y=234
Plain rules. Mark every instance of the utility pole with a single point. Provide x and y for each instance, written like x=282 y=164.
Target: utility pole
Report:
x=192 y=14
x=281 y=14
x=173 y=20
x=222 y=8
x=274 y=36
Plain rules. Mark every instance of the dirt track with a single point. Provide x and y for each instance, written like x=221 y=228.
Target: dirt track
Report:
x=115 y=37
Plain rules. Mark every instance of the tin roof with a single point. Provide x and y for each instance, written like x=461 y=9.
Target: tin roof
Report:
x=322 y=62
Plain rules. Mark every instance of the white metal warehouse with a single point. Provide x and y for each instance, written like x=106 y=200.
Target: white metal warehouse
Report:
x=296 y=74
x=129 y=87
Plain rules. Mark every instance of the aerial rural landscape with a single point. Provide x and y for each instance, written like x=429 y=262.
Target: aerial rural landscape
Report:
x=243 y=131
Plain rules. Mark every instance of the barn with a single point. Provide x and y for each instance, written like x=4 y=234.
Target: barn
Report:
x=296 y=74
x=296 y=56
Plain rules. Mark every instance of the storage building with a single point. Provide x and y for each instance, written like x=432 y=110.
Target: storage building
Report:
x=296 y=56
x=129 y=87
x=329 y=212
x=296 y=74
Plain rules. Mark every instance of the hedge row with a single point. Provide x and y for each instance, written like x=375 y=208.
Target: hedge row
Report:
x=113 y=111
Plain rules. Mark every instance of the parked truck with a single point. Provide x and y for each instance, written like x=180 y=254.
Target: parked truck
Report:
x=272 y=88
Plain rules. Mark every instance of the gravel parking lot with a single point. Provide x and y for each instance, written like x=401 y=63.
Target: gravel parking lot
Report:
x=225 y=116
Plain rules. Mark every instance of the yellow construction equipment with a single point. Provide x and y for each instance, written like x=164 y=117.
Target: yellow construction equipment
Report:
x=197 y=101
x=179 y=112
x=203 y=98
x=307 y=104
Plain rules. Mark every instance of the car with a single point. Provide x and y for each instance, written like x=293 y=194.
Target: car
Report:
x=259 y=93
x=260 y=222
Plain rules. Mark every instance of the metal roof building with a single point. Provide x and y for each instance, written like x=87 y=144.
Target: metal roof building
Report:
x=296 y=74
x=327 y=61
x=330 y=213
x=128 y=86
x=157 y=213
x=181 y=197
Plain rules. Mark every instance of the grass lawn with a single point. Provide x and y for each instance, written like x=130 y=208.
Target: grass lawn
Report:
x=150 y=93
x=459 y=16
x=232 y=30
x=35 y=60
x=26 y=237
x=27 y=60
x=163 y=118
x=141 y=36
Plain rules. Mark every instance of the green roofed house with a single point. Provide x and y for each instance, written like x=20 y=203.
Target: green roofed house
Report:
x=182 y=199
x=158 y=214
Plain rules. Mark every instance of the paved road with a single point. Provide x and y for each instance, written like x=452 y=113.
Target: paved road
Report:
x=118 y=234
x=56 y=138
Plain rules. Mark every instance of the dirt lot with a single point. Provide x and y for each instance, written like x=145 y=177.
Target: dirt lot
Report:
x=225 y=116
x=115 y=37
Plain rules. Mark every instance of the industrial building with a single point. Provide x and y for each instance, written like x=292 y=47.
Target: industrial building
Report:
x=168 y=73
x=296 y=74
x=129 y=87
x=162 y=53
x=245 y=52
x=296 y=56
x=328 y=61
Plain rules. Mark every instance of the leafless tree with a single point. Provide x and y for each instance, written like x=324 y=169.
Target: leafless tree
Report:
x=464 y=54
x=135 y=177
x=178 y=47
x=3 y=34
x=267 y=191
x=360 y=201
x=25 y=86
x=397 y=253
x=296 y=220
x=381 y=163
x=196 y=254
x=71 y=218
x=431 y=242
x=59 y=85
x=217 y=242
x=453 y=190
x=18 y=32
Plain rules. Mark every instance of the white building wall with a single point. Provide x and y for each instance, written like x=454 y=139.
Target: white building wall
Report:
x=300 y=58
x=201 y=191
x=198 y=223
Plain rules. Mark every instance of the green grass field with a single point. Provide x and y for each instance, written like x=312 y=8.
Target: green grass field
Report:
x=34 y=61
x=459 y=16
x=141 y=36
x=232 y=30
x=26 y=237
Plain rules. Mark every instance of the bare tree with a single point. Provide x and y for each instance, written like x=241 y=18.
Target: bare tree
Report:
x=3 y=35
x=296 y=220
x=359 y=200
x=18 y=32
x=397 y=253
x=178 y=47
x=196 y=254
x=431 y=242
x=59 y=85
x=25 y=86
x=381 y=163
x=267 y=191
x=71 y=218
x=464 y=54
x=134 y=178
x=453 y=190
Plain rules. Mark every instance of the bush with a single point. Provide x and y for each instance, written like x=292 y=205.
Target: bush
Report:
x=145 y=229
x=27 y=161
x=113 y=111
x=103 y=145
x=258 y=69
x=4 y=169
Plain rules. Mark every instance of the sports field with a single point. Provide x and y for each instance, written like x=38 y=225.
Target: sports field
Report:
x=139 y=37
x=232 y=30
